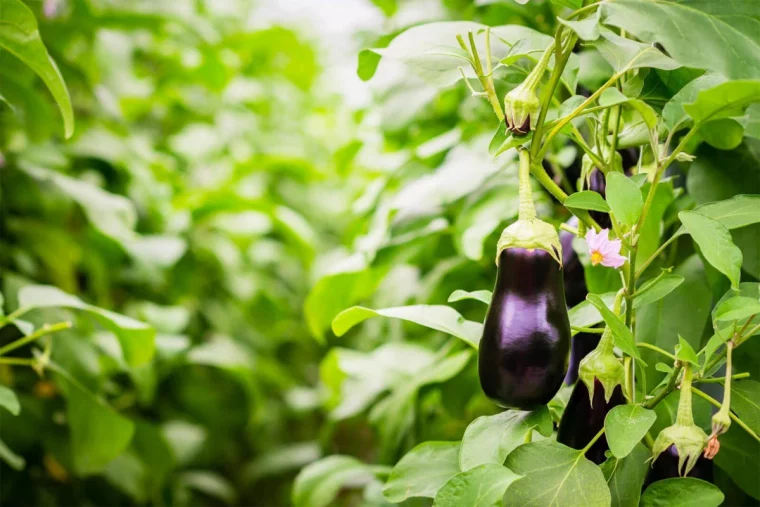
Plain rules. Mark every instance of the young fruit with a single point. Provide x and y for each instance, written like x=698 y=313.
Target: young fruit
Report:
x=526 y=337
x=583 y=418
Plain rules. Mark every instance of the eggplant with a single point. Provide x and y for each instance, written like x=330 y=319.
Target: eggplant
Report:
x=583 y=419
x=523 y=355
x=666 y=467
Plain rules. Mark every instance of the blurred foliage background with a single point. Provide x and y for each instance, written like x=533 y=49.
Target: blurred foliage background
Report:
x=231 y=186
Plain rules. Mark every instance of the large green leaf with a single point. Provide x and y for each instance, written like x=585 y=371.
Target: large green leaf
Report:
x=694 y=32
x=682 y=492
x=745 y=401
x=723 y=100
x=98 y=433
x=490 y=438
x=739 y=211
x=716 y=244
x=422 y=471
x=739 y=456
x=554 y=474
x=674 y=111
x=656 y=289
x=438 y=317
x=625 y=426
x=318 y=484
x=626 y=476
x=9 y=400
x=482 y=486
x=624 y=197
x=136 y=338
x=19 y=35
x=623 y=53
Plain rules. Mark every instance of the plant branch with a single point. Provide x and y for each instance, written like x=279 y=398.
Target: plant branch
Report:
x=657 y=349
x=45 y=330
x=716 y=403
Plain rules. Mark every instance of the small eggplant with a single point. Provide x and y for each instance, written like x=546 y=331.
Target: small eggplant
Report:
x=523 y=354
x=583 y=419
x=666 y=467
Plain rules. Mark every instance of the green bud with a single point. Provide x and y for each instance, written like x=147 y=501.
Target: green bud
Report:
x=603 y=365
x=720 y=423
x=521 y=107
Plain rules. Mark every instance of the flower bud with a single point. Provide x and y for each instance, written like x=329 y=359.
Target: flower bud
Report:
x=603 y=366
x=521 y=107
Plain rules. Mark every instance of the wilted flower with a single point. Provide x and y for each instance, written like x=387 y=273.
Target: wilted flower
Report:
x=603 y=250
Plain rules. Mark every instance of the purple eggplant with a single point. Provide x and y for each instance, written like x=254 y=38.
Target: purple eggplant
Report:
x=523 y=354
x=583 y=419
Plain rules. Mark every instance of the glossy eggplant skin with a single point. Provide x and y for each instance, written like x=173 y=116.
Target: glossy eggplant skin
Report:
x=583 y=343
x=666 y=467
x=523 y=354
x=581 y=421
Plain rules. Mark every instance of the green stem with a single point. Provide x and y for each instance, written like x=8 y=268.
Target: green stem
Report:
x=17 y=361
x=485 y=81
x=726 y=405
x=657 y=349
x=594 y=330
x=45 y=330
x=592 y=442
x=526 y=209
x=684 y=416
x=570 y=229
x=718 y=380
x=540 y=174
x=567 y=119
x=559 y=67
x=716 y=403
x=668 y=388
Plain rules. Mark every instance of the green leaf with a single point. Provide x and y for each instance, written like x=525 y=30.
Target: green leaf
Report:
x=621 y=334
x=739 y=211
x=656 y=289
x=625 y=54
x=587 y=199
x=625 y=426
x=13 y=460
x=554 y=474
x=612 y=97
x=572 y=4
x=319 y=483
x=716 y=244
x=585 y=314
x=737 y=308
x=336 y=292
x=739 y=456
x=490 y=438
x=136 y=338
x=587 y=28
x=723 y=100
x=482 y=486
x=9 y=400
x=624 y=198
x=512 y=141
x=626 y=476
x=484 y=296
x=685 y=352
x=681 y=492
x=673 y=112
x=422 y=471
x=647 y=112
x=98 y=433
x=723 y=134
x=745 y=401
x=694 y=33
x=438 y=317
x=21 y=38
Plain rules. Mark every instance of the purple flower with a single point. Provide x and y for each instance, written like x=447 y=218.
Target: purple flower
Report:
x=603 y=250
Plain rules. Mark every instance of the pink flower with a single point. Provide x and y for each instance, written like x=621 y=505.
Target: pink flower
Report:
x=603 y=250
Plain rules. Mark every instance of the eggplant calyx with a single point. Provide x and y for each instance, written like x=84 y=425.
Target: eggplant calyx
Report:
x=689 y=440
x=531 y=234
x=606 y=368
